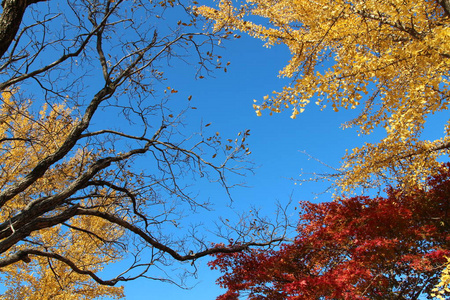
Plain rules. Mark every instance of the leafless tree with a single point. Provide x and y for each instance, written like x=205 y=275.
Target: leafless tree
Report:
x=105 y=59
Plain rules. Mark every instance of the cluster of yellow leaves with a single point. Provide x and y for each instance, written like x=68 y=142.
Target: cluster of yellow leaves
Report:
x=47 y=279
x=389 y=58
x=406 y=163
x=26 y=138
x=444 y=284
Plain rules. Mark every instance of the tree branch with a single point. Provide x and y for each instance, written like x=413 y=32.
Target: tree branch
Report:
x=10 y=21
x=154 y=243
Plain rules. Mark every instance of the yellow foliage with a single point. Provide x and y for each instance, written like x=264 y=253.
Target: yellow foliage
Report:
x=444 y=284
x=388 y=58
x=26 y=138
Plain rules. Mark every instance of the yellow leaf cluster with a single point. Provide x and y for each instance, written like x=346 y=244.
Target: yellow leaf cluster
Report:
x=26 y=138
x=444 y=284
x=388 y=58
x=43 y=278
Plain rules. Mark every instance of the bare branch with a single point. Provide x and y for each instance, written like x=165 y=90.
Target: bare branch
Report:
x=10 y=20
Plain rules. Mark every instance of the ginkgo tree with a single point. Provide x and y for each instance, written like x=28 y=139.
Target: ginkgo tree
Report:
x=387 y=59
x=43 y=278
x=94 y=166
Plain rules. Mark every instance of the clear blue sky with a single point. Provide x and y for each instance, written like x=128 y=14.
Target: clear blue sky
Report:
x=275 y=141
x=226 y=101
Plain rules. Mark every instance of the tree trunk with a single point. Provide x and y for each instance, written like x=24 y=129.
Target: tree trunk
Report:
x=10 y=20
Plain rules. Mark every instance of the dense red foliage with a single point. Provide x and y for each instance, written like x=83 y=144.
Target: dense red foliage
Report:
x=356 y=248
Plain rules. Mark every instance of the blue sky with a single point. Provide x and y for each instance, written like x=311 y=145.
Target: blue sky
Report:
x=275 y=142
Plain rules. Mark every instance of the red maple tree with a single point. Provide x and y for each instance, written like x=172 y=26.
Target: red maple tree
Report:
x=383 y=248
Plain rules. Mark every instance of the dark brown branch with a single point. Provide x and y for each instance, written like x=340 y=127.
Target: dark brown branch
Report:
x=88 y=232
x=28 y=219
x=69 y=143
x=21 y=229
x=127 y=192
x=154 y=243
x=23 y=255
x=63 y=58
x=10 y=20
